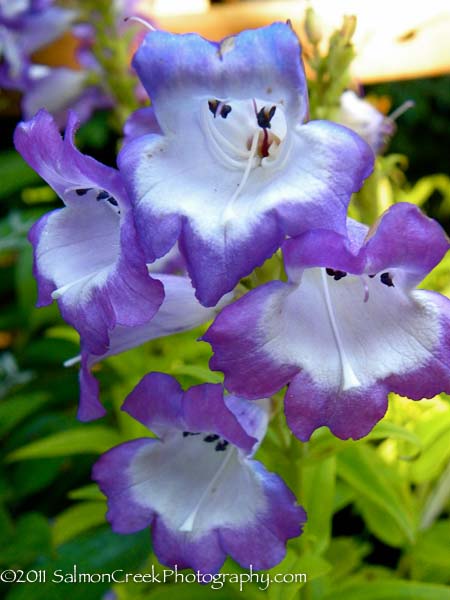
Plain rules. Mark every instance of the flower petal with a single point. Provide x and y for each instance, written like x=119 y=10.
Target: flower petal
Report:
x=180 y=311
x=348 y=414
x=111 y=473
x=261 y=63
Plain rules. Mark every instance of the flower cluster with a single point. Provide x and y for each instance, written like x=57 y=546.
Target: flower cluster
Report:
x=27 y=26
x=222 y=171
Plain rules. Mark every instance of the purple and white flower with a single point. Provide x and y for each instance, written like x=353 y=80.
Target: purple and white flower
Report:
x=362 y=117
x=86 y=255
x=196 y=484
x=234 y=170
x=347 y=328
x=26 y=26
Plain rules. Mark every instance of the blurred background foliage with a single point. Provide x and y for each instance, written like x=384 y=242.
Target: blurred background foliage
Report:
x=378 y=509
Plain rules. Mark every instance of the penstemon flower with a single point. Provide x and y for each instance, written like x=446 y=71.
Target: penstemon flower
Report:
x=197 y=485
x=234 y=170
x=86 y=255
x=373 y=126
x=26 y=26
x=346 y=329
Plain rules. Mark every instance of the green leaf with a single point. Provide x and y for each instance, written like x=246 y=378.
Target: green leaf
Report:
x=381 y=523
x=15 y=174
x=77 y=519
x=203 y=374
x=318 y=486
x=430 y=556
x=343 y=496
x=87 y=440
x=436 y=452
x=361 y=468
x=87 y=492
x=16 y=409
x=30 y=540
x=387 y=429
x=390 y=589
x=346 y=554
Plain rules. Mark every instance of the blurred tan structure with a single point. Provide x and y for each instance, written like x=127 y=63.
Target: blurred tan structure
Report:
x=395 y=39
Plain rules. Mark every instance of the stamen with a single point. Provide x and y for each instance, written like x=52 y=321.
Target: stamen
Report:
x=220 y=144
x=188 y=523
x=187 y=433
x=366 y=288
x=62 y=290
x=72 y=361
x=349 y=379
x=336 y=274
x=221 y=446
x=141 y=21
x=82 y=191
x=386 y=278
x=211 y=438
x=264 y=116
x=398 y=112
x=229 y=212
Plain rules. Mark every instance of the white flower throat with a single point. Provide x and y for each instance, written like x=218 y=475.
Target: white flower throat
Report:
x=240 y=132
x=245 y=135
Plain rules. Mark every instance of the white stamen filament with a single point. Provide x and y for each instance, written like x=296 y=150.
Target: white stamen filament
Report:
x=62 y=290
x=72 y=361
x=141 y=21
x=229 y=212
x=398 y=112
x=221 y=144
x=188 y=523
x=349 y=378
x=366 y=288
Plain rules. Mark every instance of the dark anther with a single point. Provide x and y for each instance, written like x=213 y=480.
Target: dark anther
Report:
x=265 y=116
x=212 y=437
x=225 y=111
x=221 y=446
x=112 y=201
x=339 y=275
x=102 y=195
x=186 y=433
x=386 y=278
x=82 y=191
x=336 y=274
x=213 y=105
x=372 y=276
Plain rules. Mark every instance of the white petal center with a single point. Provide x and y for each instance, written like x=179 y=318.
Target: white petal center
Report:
x=196 y=482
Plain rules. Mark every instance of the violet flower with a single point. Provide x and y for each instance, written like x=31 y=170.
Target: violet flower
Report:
x=26 y=26
x=362 y=117
x=234 y=170
x=347 y=328
x=196 y=484
x=86 y=255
